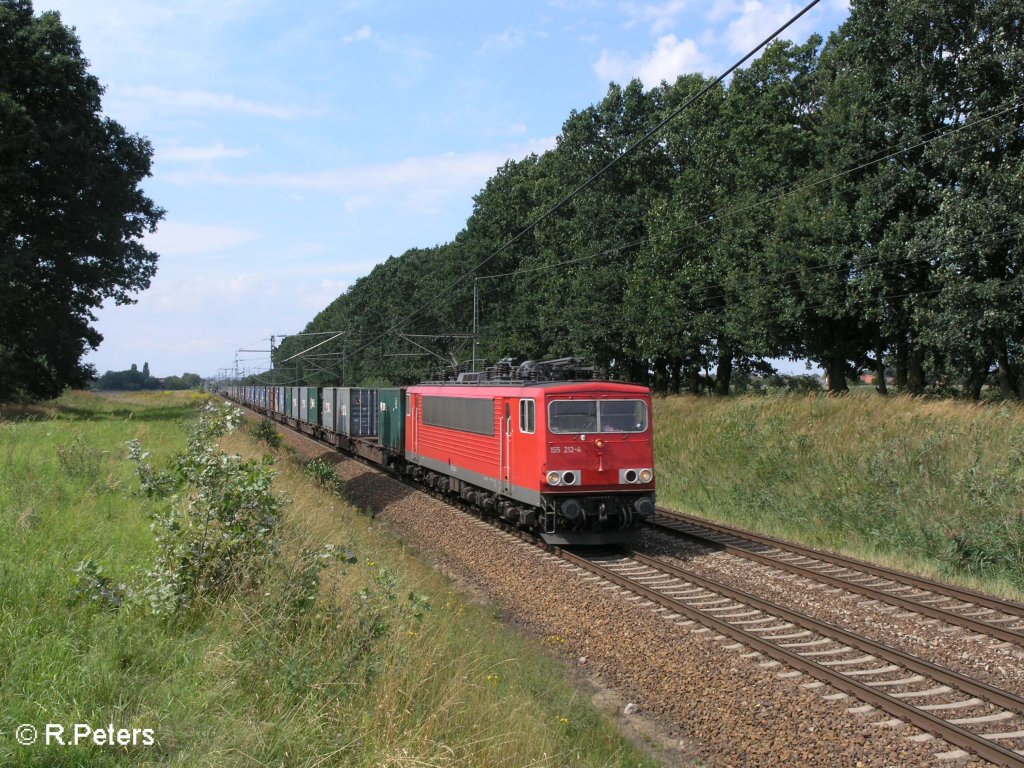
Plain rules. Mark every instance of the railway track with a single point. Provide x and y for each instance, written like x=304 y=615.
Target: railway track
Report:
x=973 y=716
x=979 y=613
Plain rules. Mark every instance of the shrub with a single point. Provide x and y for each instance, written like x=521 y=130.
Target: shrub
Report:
x=222 y=532
x=152 y=482
x=326 y=476
x=219 y=531
x=94 y=587
x=265 y=431
x=79 y=460
x=304 y=584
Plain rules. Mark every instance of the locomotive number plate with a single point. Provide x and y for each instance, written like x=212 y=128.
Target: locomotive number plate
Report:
x=566 y=449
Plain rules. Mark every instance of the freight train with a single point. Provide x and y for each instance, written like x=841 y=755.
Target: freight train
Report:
x=538 y=444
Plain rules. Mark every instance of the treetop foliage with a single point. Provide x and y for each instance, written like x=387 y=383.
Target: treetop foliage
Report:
x=853 y=201
x=73 y=214
x=134 y=380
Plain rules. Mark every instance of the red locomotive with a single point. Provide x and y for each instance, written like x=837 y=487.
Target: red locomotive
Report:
x=573 y=459
x=542 y=445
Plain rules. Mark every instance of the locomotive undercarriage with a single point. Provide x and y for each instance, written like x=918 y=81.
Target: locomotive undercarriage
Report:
x=589 y=520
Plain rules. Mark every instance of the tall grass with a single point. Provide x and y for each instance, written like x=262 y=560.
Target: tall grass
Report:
x=386 y=668
x=446 y=685
x=933 y=485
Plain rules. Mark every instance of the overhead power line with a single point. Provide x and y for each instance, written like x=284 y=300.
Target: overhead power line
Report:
x=589 y=181
x=795 y=188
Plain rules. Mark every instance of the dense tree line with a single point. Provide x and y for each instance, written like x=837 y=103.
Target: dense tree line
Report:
x=855 y=202
x=134 y=380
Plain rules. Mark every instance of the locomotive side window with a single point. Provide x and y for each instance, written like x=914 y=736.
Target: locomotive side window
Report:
x=572 y=416
x=459 y=413
x=581 y=416
x=527 y=416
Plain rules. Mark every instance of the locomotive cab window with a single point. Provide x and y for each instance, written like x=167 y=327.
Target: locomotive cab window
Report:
x=572 y=416
x=623 y=416
x=582 y=416
x=527 y=416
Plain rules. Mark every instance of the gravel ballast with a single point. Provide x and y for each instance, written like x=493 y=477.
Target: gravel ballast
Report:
x=725 y=703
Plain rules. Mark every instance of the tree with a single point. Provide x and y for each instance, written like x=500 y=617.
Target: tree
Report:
x=589 y=246
x=72 y=215
x=976 y=321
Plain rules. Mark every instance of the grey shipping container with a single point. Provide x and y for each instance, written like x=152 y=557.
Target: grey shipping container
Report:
x=313 y=405
x=327 y=408
x=342 y=406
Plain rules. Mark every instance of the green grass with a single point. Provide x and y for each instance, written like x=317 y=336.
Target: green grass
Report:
x=936 y=486
x=362 y=680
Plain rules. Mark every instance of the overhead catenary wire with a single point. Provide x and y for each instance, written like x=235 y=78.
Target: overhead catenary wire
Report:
x=591 y=179
x=922 y=140
x=794 y=189
x=936 y=134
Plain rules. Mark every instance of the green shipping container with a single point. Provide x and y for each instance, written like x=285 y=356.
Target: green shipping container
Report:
x=392 y=419
x=288 y=401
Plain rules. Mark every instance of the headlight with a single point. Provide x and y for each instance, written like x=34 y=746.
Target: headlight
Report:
x=554 y=478
x=646 y=475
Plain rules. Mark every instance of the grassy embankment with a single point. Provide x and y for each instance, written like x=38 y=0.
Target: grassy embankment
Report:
x=932 y=486
x=365 y=679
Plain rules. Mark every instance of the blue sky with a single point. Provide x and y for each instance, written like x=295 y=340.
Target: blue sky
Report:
x=299 y=144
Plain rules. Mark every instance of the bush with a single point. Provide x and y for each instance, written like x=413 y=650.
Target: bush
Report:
x=222 y=532
x=79 y=460
x=265 y=431
x=326 y=476
x=153 y=483
x=94 y=587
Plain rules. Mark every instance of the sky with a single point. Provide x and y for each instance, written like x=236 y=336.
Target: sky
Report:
x=297 y=145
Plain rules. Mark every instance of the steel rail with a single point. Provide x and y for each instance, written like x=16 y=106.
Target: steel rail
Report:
x=846 y=583
x=950 y=732
x=1005 y=699
x=918 y=582
x=924 y=720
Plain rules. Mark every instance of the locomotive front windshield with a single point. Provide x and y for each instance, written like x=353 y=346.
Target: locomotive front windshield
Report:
x=580 y=416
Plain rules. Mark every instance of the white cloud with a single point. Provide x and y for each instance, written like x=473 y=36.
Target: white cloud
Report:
x=723 y=9
x=363 y=33
x=759 y=18
x=422 y=183
x=661 y=16
x=669 y=59
x=508 y=40
x=195 y=100
x=174 y=238
x=120 y=34
x=218 y=151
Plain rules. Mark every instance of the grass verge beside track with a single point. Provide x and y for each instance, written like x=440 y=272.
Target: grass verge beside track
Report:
x=388 y=668
x=935 y=487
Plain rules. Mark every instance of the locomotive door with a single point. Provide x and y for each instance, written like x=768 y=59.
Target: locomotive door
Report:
x=413 y=407
x=506 y=453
